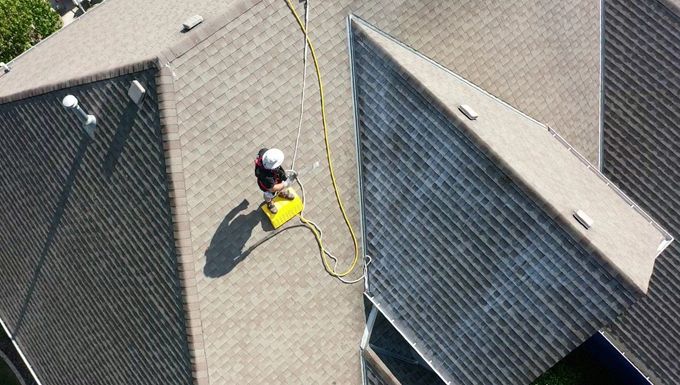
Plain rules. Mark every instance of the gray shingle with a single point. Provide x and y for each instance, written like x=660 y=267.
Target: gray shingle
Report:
x=642 y=153
x=467 y=265
x=90 y=285
x=241 y=83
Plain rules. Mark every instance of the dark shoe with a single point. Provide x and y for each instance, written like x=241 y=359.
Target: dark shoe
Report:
x=286 y=194
x=272 y=207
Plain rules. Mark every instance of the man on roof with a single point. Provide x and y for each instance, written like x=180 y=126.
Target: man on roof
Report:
x=271 y=177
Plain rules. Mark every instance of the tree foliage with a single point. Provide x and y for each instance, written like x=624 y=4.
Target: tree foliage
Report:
x=23 y=23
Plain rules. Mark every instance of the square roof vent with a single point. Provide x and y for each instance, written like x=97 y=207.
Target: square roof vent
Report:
x=136 y=92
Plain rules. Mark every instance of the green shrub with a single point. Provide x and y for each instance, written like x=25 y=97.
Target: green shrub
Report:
x=23 y=23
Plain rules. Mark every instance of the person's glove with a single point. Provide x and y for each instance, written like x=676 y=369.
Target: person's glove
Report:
x=291 y=175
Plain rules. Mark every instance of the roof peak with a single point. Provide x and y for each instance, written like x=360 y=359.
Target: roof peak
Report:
x=626 y=239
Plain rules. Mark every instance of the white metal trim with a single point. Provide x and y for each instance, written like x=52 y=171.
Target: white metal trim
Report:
x=362 y=360
x=11 y=366
x=415 y=347
x=357 y=145
x=624 y=356
x=21 y=353
x=600 y=137
x=368 y=329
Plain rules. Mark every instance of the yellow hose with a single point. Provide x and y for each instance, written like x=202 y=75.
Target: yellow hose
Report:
x=307 y=223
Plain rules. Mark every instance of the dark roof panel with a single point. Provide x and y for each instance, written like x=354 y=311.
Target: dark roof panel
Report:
x=642 y=154
x=466 y=264
x=90 y=287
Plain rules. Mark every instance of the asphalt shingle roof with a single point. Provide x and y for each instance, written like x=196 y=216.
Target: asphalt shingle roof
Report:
x=489 y=285
x=541 y=57
x=642 y=153
x=90 y=288
x=237 y=91
x=232 y=87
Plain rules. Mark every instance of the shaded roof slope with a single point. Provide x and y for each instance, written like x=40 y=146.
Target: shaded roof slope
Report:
x=460 y=268
x=642 y=154
x=90 y=288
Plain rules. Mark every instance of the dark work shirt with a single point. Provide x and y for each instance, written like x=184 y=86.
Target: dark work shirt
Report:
x=266 y=179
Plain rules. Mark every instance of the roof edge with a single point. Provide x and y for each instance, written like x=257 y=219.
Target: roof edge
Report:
x=165 y=86
x=415 y=346
x=564 y=222
x=631 y=357
x=372 y=358
x=74 y=22
x=673 y=7
x=164 y=56
x=106 y=74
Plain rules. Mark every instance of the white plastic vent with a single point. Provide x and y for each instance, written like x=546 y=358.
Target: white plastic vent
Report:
x=583 y=219
x=468 y=111
x=192 y=22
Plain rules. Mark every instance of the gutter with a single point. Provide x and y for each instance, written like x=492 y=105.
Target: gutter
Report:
x=623 y=354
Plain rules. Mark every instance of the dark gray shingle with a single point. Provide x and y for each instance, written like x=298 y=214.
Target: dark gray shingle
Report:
x=642 y=154
x=465 y=263
x=90 y=286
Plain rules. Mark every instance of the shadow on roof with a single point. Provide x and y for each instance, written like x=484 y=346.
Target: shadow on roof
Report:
x=52 y=232
x=126 y=123
x=226 y=248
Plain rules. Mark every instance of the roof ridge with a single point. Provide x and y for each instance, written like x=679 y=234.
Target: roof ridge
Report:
x=105 y=74
x=564 y=220
x=174 y=169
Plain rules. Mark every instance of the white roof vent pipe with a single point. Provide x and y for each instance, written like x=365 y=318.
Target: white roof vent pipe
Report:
x=89 y=121
x=5 y=67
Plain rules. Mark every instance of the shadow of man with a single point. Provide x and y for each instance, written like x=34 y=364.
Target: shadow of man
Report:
x=226 y=247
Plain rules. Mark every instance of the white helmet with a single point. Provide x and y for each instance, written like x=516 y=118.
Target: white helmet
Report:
x=272 y=158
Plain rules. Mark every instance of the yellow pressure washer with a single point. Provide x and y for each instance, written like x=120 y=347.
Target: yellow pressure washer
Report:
x=287 y=209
